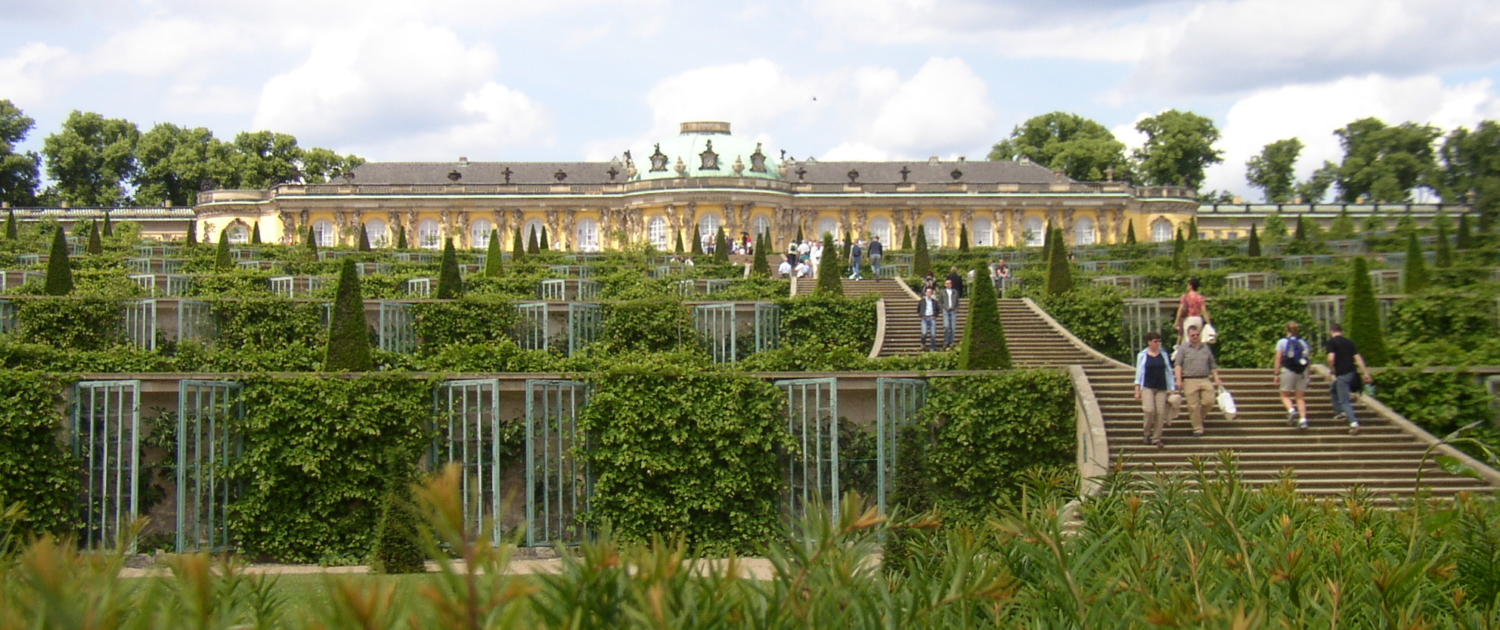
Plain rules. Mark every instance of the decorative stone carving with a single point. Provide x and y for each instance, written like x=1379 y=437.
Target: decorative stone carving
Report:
x=709 y=161
x=757 y=160
x=288 y=226
x=659 y=160
x=680 y=167
x=739 y=166
x=861 y=222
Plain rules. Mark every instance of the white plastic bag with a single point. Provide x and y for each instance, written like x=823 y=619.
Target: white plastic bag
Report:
x=1210 y=334
x=1226 y=404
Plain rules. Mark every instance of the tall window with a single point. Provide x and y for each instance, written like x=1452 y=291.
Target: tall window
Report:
x=376 y=231
x=656 y=231
x=429 y=234
x=708 y=225
x=882 y=229
x=934 y=229
x=323 y=232
x=237 y=234
x=588 y=236
x=479 y=233
x=982 y=234
x=762 y=226
x=1161 y=231
x=828 y=226
x=1035 y=232
x=1083 y=231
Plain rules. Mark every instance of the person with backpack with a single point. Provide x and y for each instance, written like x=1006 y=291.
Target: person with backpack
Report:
x=1290 y=372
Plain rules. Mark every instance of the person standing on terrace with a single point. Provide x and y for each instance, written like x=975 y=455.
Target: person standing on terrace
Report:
x=1192 y=309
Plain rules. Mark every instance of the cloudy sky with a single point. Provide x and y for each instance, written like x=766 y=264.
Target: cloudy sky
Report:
x=832 y=79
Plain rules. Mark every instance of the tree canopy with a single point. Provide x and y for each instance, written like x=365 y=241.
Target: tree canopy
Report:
x=92 y=159
x=1179 y=148
x=1385 y=163
x=1081 y=148
x=1273 y=170
x=20 y=172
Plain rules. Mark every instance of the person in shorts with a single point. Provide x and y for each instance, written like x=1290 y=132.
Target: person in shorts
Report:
x=1192 y=309
x=1290 y=369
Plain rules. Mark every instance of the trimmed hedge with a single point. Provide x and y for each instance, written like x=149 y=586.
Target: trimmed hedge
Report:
x=41 y=475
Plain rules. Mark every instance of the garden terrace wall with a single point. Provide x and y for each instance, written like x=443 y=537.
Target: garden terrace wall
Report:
x=158 y=402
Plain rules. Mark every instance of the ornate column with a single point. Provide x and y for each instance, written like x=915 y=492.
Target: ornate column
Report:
x=570 y=225
x=288 y=227
x=1001 y=221
x=861 y=222
x=1067 y=224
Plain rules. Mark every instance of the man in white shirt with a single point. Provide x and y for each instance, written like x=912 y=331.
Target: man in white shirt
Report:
x=785 y=270
x=803 y=270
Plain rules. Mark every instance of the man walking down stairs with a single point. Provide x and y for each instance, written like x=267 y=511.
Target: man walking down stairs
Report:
x=903 y=328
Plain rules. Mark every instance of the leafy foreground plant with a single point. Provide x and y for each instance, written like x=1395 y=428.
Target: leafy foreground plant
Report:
x=1193 y=549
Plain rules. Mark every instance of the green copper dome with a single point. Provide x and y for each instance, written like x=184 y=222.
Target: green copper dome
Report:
x=705 y=149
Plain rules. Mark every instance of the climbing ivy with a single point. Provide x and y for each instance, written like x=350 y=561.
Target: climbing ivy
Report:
x=312 y=463
x=1093 y=315
x=693 y=455
x=829 y=322
x=40 y=474
x=466 y=322
x=78 y=323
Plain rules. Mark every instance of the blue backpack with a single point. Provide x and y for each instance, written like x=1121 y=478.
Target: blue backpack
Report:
x=1295 y=357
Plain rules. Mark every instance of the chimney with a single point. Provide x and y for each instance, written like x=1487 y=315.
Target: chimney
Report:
x=463 y=161
x=932 y=160
x=963 y=158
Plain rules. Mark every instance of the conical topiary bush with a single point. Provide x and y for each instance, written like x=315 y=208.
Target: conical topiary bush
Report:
x=492 y=268
x=312 y=242
x=1415 y=273
x=517 y=248
x=921 y=261
x=364 y=238
x=1179 y=252
x=1130 y=233
x=59 y=272
x=963 y=238
x=697 y=243
x=721 y=246
x=222 y=260
x=96 y=244
x=348 y=342
x=450 y=281
x=533 y=242
x=1444 y=252
x=983 y=346
x=192 y=235
x=401 y=237
x=906 y=238
x=255 y=234
x=109 y=227
x=1362 y=316
x=1461 y=241
x=1253 y=249
x=677 y=248
x=544 y=242
x=759 y=266
x=829 y=282
x=11 y=232
x=1059 y=270
x=398 y=543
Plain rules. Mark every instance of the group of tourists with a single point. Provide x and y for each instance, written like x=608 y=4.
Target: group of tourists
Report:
x=942 y=302
x=804 y=256
x=1190 y=375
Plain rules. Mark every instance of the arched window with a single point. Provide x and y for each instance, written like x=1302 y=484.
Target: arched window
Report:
x=375 y=230
x=1035 y=232
x=762 y=226
x=237 y=234
x=981 y=234
x=429 y=234
x=934 y=229
x=1083 y=231
x=708 y=225
x=533 y=226
x=1161 y=231
x=588 y=236
x=323 y=232
x=656 y=232
x=479 y=233
x=828 y=226
x=881 y=228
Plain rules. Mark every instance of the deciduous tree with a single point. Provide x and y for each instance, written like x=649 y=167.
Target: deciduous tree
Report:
x=1385 y=163
x=1179 y=147
x=1274 y=170
x=1079 y=147
x=92 y=158
x=20 y=171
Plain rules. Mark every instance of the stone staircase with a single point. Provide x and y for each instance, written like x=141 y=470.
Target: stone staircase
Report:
x=1328 y=461
x=903 y=329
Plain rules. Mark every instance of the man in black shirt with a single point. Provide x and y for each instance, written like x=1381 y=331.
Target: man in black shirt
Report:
x=957 y=280
x=1348 y=368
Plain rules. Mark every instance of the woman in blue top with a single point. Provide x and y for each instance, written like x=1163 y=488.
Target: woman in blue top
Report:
x=1153 y=382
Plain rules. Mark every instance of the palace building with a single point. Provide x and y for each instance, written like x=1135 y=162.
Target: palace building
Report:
x=693 y=184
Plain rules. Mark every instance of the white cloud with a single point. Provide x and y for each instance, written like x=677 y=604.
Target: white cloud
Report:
x=413 y=87
x=29 y=75
x=1227 y=46
x=1312 y=112
x=158 y=47
x=870 y=112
